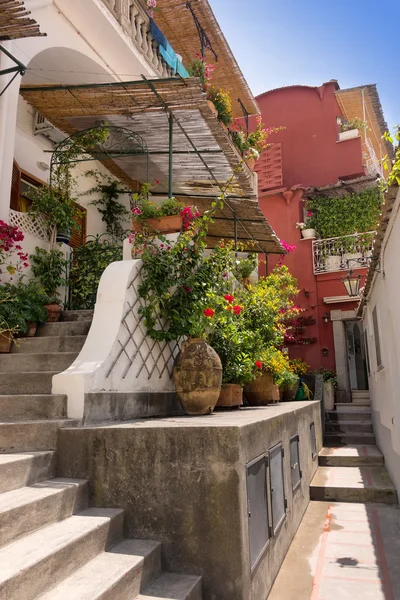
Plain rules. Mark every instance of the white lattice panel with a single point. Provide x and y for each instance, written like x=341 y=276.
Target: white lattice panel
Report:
x=28 y=224
x=137 y=350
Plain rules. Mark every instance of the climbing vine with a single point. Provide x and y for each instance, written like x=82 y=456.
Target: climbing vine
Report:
x=355 y=213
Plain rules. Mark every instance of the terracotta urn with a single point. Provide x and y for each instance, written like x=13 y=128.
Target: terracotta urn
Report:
x=198 y=377
x=170 y=224
x=231 y=396
x=31 y=329
x=5 y=342
x=261 y=391
x=53 y=312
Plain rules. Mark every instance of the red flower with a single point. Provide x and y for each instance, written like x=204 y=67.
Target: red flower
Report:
x=237 y=309
x=209 y=312
x=187 y=289
x=259 y=364
x=228 y=297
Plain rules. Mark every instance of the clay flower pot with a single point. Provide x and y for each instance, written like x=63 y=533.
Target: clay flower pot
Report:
x=172 y=224
x=289 y=391
x=5 y=342
x=54 y=312
x=198 y=377
x=262 y=391
x=31 y=329
x=231 y=396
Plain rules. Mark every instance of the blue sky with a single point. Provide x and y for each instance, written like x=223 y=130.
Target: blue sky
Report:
x=287 y=42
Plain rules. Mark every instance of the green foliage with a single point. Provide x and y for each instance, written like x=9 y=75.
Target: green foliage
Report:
x=245 y=266
x=355 y=123
x=223 y=103
x=151 y=210
x=113 y=213
x=50 y=270
x=21 y=304
x=89 y=263
x=335 y=217
x=328 y=375
x=54 y=208
x=394 y=167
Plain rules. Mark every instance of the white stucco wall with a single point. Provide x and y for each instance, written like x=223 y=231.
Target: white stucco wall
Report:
x=384 y=381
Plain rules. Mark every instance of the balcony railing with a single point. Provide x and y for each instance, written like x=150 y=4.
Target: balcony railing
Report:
x=334 y=254
x=135 y=21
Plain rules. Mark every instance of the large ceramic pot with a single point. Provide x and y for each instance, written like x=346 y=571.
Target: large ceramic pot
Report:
x=5 y=342
x=288 y=392
x=231 y=396
x=197 y=377
x=53 y=312
x=171 y=224
x=63 y=237
x=261 y=391
x=308 y=234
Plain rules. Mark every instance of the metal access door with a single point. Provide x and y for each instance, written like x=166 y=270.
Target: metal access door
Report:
x=257 y=504
x=277 y=485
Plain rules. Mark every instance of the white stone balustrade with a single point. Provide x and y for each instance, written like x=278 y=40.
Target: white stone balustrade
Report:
x=340 y=253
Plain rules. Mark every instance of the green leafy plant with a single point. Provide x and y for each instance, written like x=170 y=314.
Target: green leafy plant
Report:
x=223 y=103
x=201 y=69
x=90 y=261
x=328 y=375
x=355 y=123
x=57 y=211
x=335 y=217
x=144 y=209
x=393 y=166
x=113 y=213
x=245 y=266
x=252 y=143
x=49 y=268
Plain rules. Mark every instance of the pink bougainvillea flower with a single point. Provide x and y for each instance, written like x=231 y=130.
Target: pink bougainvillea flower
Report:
x=228 y=297
x=309 y=213
x=259 y=364
x=237 y=309
x=209 y=312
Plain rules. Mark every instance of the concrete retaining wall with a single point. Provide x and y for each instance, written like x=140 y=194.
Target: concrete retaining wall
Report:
x=183 y=481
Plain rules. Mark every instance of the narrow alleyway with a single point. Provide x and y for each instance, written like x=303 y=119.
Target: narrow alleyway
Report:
x=348 y=545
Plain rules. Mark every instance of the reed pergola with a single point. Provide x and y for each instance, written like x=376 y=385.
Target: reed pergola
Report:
x=190 y=154
x=15 y=22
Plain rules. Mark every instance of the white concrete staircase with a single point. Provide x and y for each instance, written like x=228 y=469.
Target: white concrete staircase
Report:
x=52 y=545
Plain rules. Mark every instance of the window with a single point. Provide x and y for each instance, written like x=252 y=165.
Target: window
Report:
x=277 y=486
x=313 y=441
x=376 y=337
x=367 y=353
x=22 y=183
x=257 y=504
x=295 y=462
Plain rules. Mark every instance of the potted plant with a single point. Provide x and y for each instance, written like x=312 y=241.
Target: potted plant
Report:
x=245 y=267
x=351 y=129
x=49 y=268
x=289 y=389
x=56 y=209
x=330 y=384
x=307 y=231
x=32 y=302
x=274 y=371
x=147 y=215
x=12 y=320
x=253 y=143
x=223 y=103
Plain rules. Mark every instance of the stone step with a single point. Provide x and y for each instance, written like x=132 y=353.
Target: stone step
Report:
x=77 y=315
x=361 y=402
x=63 y=328
x=49 y=361
x=27 y=509
x=33 y=406
x=348 y=438
x=349 y=426
x=120 y=573
x=360 y=415
x=22 y=436
x=172 y=585
x=353 y=484
x=351 y=406
x=38 y=562
x=349 y=456
x=18 y=470
x=36 y=382
x=55 y=343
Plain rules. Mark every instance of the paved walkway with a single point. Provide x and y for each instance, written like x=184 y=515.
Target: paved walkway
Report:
x=343 y=551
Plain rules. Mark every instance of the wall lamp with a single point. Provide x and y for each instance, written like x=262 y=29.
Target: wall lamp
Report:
x=325 y=318
x=352 y=281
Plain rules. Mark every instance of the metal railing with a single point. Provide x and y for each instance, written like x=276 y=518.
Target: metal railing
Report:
x=135 y=21
x=333 y=254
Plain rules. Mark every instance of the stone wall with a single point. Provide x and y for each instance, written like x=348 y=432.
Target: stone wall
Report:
x=182 y=481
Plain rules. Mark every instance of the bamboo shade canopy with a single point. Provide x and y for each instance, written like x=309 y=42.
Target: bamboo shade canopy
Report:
x=177 y=24
x=363 y=102
x=205 y=158
x=15 y=22
x=343 y=187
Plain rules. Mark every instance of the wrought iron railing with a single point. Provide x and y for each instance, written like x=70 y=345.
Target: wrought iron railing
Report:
x=334 y=254
x=135 y=21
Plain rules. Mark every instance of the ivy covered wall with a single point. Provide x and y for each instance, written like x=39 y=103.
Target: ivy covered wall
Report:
x=355 y=213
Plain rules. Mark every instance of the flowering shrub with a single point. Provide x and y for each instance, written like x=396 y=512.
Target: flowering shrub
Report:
x=355 y=123
x=189 y=215
x=223 y=103
x=252 y=144
x=151 y=6
x=10 y=249
x=299 y=366
x=201 y=69
x=277 y=363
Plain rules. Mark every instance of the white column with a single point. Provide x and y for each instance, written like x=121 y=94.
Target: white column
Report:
x=8 y=125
